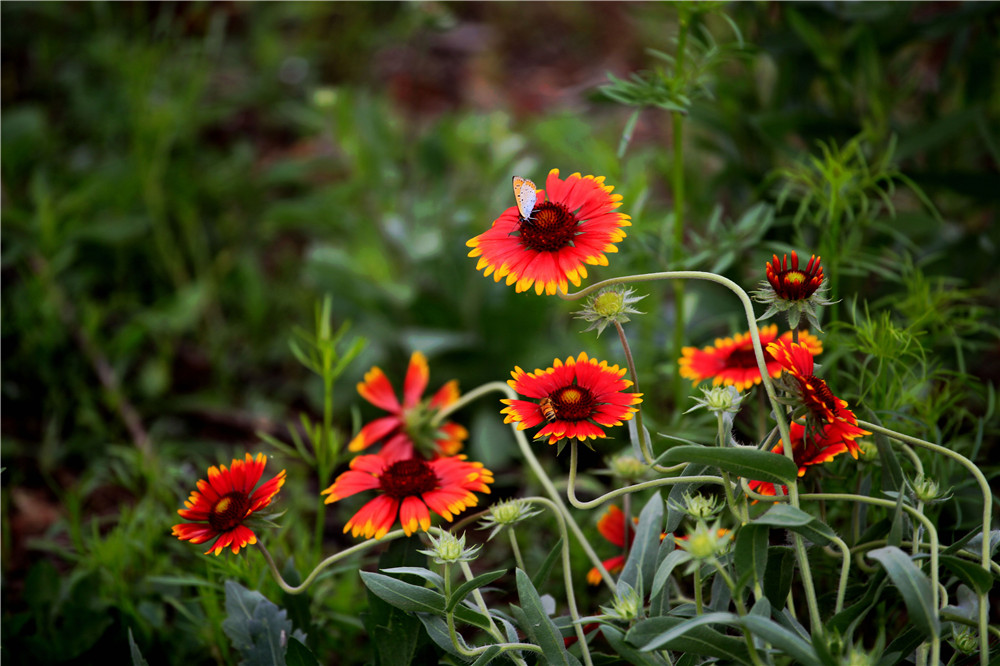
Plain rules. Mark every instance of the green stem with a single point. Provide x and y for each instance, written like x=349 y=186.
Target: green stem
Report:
x=529 y=456
x=984 y=487
x=741 y=610
x=656 y=483
x=677 y=185
x=515 y=549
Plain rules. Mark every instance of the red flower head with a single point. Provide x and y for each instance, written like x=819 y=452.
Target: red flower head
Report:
x=792 y=284
x=408 y=488
x=573 y=399
x=410 y=424
x=222 y=504
x=826 y=445
x=731 y=361
x=612 y=527
x=827 y=417
x=573 y=223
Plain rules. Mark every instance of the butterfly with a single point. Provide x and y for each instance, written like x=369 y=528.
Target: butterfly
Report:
x=525 y=195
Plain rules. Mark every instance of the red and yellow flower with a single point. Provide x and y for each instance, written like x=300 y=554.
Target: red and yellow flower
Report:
x=222 y=505
x=731 y=361
x=827 y=417
x=790 y=283
x=408 y=489
x=822 y=447
x=411 y=424
x=612 y=527
x=573 y=224
x=575 y=399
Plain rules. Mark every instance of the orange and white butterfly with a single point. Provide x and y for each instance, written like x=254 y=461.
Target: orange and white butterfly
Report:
x=525 y=195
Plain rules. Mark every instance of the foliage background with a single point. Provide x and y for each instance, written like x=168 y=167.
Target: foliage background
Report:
x=182 y=182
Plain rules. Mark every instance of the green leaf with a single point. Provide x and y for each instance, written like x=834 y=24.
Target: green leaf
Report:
x=689 y=635
x=256 y=626
x=641 y=562
x=538 y=626
x=420 y=572
x=617 y=641
x=298 y=654
x=971 y=573
x=414 y=598
x=542 y=574
x=468 y=586
x=901 y=647
x=748 y=463
x=913 y=585
x=137 y=659
x=892 y=472
x=491 y=653
x=670 y=562
x=791 y=643
x=778 y=575
x=437 y=630
x=750 y=551
x=797 y=520
x=395 y=636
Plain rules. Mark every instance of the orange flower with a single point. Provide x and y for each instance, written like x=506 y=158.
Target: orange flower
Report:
x=222 y=504
x=410 y=424
x=574 y=399
x=409 y=488
x=573 y=223
x=731 y=361
x=612 y=527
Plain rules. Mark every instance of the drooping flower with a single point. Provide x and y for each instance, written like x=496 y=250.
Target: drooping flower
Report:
x=574 y=399
x=731 y=361
x=408 y=488
x=827 y=416
x=222 y=505
x=611 y=525
x=411 y=425
x=793 y=291
x=573 y=224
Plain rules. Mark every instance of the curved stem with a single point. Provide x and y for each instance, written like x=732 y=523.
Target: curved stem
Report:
x=529 y=456
x=984 y=487
x=617 y=492
x=515 y=549
x=931 y=535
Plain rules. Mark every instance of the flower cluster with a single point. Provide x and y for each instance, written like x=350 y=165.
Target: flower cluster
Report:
x=414 y=473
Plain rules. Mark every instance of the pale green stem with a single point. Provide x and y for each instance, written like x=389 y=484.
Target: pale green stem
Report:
x=728 y=485
x=644 y=444
x=984 y=487
x=557 y=510
x=516 y=550
x=931 y=535
x=741 y=610
x=529 y=456
x=845 y=570
x=656 y=483
x=698 y=602
x=677 y=184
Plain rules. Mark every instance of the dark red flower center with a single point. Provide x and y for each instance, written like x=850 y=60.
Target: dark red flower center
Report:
x=229 y=511
x=745 y=358
x=551 y=228
x=819 y=398
x=791 y=283
x=408 y=478
x=573 y=403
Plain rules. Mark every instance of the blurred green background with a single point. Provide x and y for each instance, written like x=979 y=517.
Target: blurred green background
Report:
x=182 y=182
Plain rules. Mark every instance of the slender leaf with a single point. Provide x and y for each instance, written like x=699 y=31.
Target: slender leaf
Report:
x=688 y=635
x=971 y=573
x=748 y=463
x=750 y=551
x=409 y=597
x=913 y=585
x=625 y=651
x=670 y=562
x=420 y=572
x=297 y=654
x=542 y=574
x=491 y=653
x=797 y=520
x=778 y=575
x=641 y=562
x=538 y=626
x=134 y=652
x=791 y=643
x=468 y=586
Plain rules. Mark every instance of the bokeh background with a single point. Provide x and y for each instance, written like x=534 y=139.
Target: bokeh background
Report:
x=183 y=182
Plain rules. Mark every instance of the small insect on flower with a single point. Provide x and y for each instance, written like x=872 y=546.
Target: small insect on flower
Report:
x=548 y=409
x=525 y=194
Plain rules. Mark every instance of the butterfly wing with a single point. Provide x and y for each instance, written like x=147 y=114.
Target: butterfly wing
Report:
x=525 y=195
